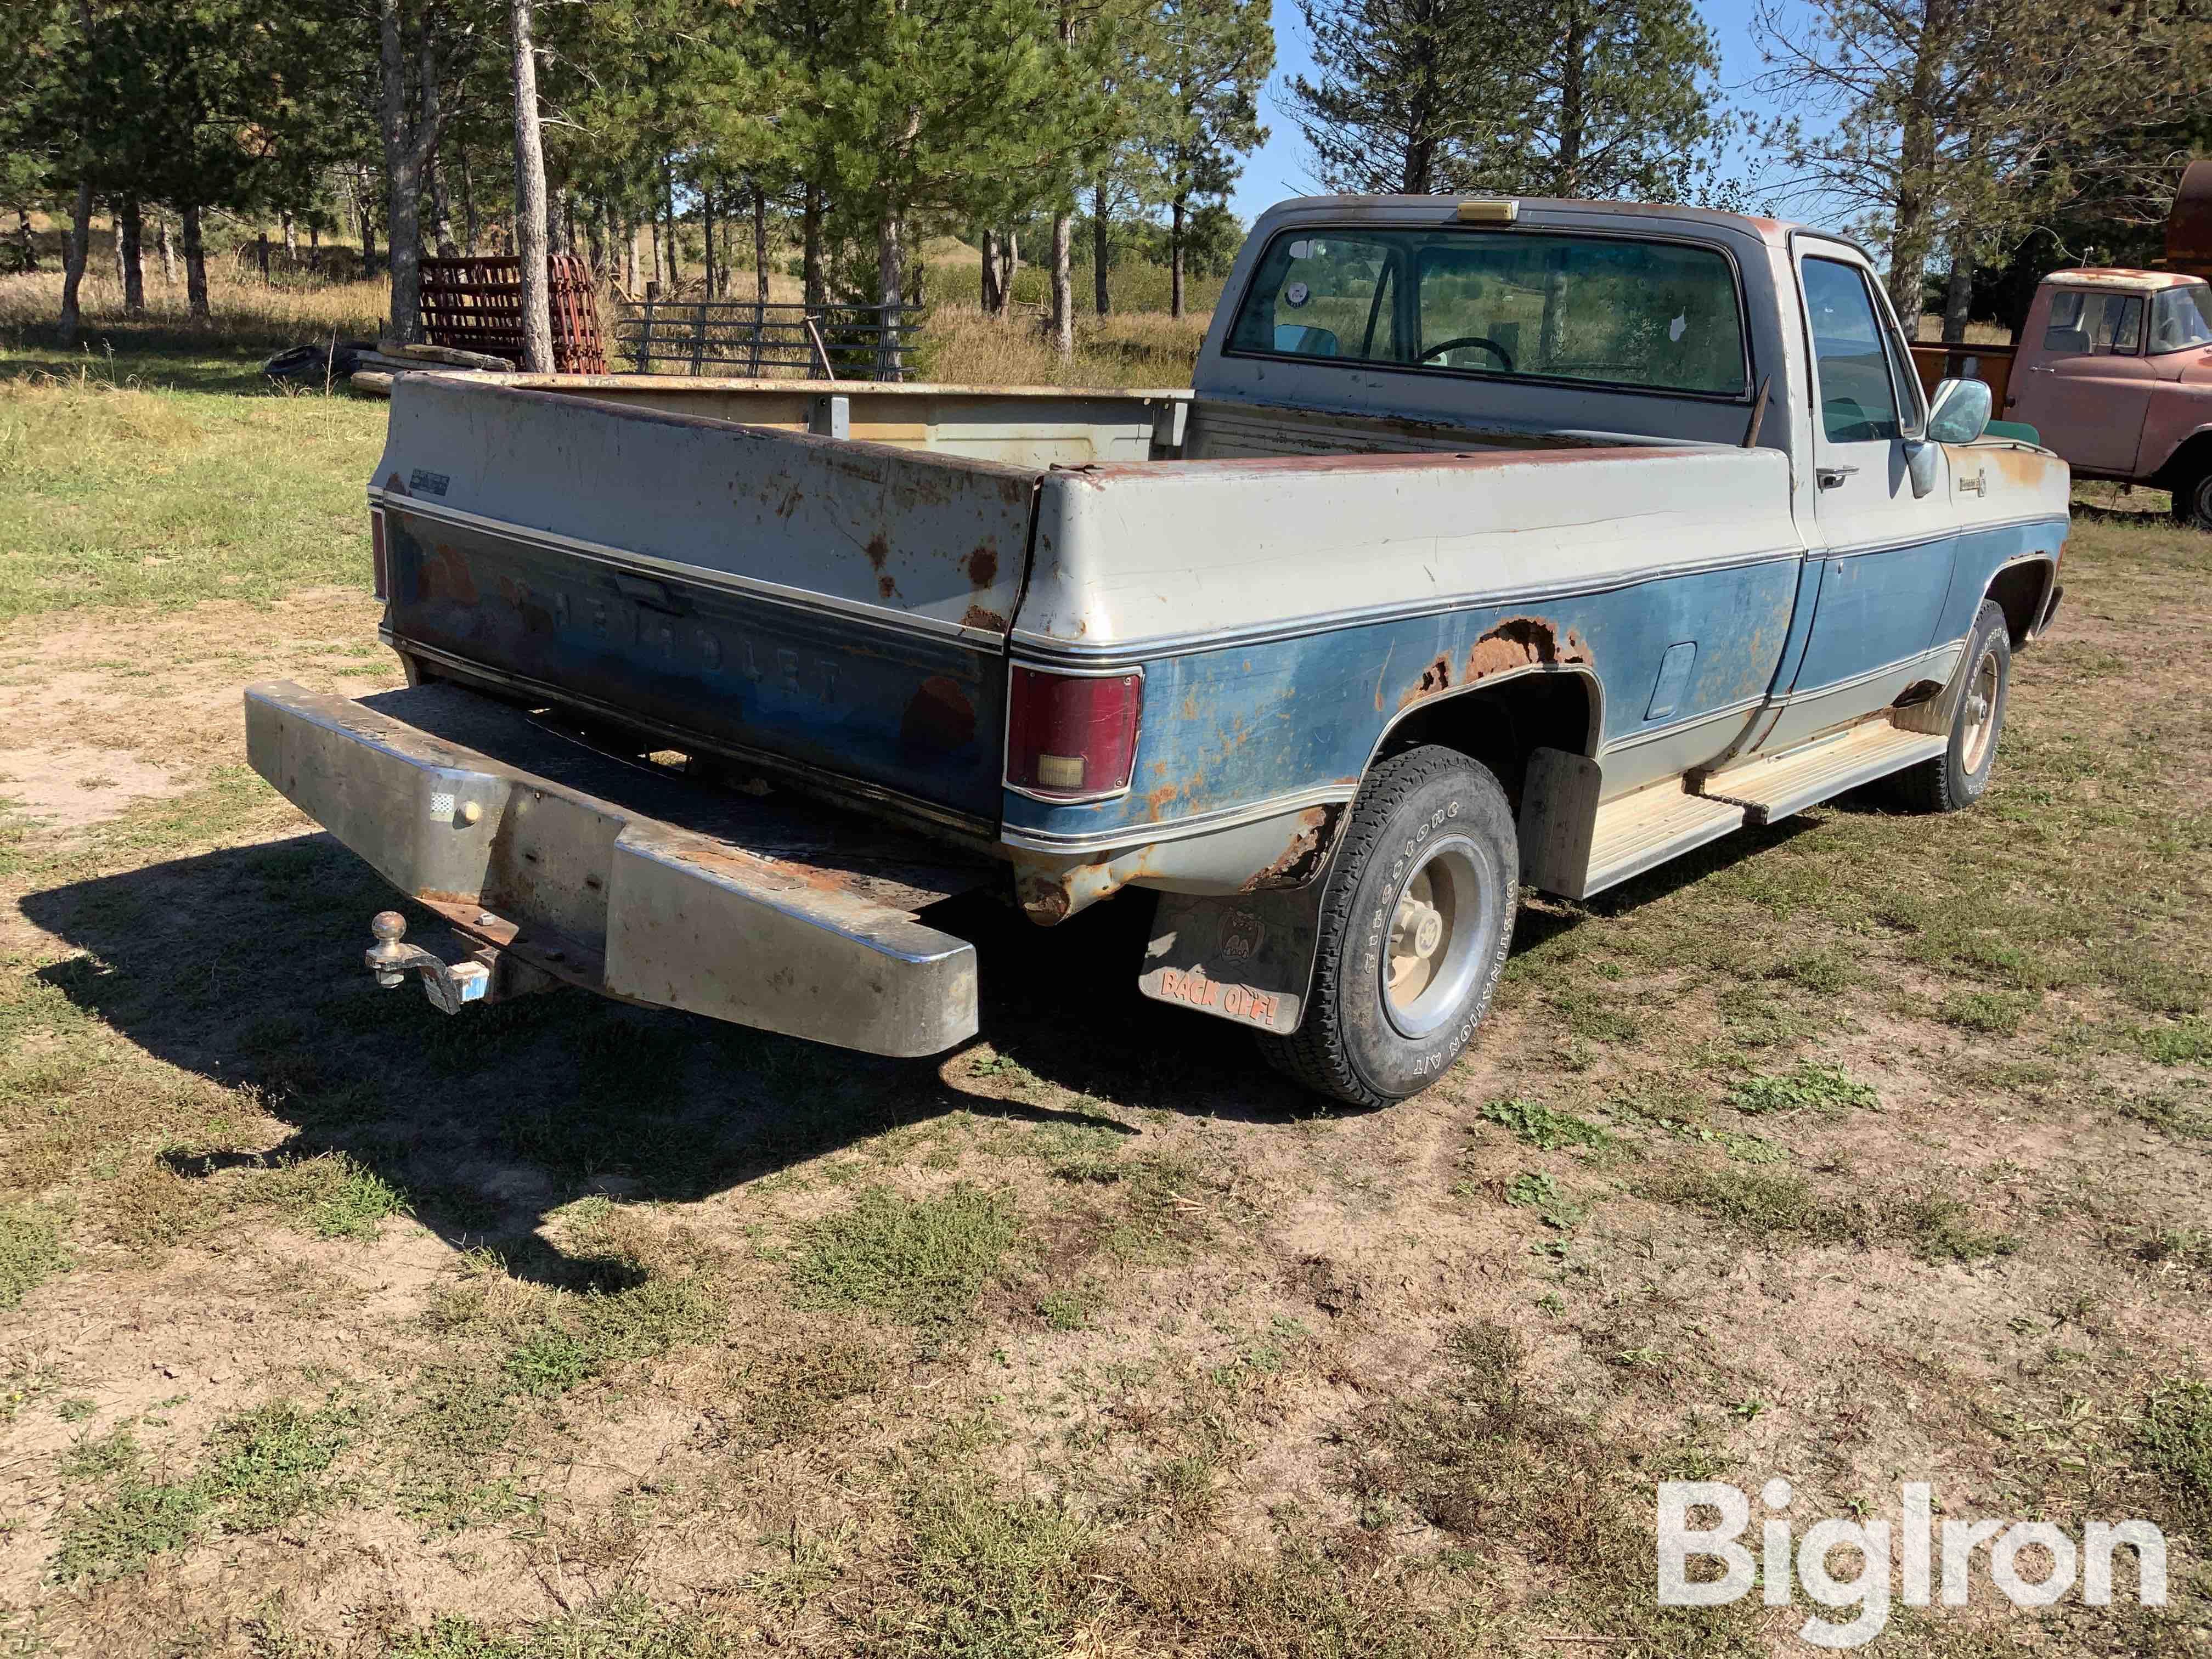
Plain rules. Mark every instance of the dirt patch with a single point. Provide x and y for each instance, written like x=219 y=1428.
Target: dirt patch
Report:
x=65 y=789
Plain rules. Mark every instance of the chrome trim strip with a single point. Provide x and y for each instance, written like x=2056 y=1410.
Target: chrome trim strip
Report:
x=895 y=621
x=1734 y=711
x=1130 y=836
x=1153 y=647
x=1802 y=694
x=1859 y=549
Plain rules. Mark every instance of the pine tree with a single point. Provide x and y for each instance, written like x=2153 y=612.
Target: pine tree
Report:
x=1400 y=82
x=1211 y=58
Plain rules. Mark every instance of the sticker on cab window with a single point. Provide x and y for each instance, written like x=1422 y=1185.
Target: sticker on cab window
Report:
x=1296 y=295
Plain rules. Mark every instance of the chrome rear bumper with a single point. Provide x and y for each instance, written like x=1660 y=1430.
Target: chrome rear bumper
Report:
x=627 y=879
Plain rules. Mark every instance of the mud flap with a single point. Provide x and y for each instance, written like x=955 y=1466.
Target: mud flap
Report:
x=1248 y=959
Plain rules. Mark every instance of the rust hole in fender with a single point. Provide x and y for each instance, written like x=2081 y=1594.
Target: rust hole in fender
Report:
x=1302 y=861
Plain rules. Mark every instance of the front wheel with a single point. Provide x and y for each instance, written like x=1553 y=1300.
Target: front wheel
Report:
x=2192 y=500
x=1415 y=924
x=1957 y=777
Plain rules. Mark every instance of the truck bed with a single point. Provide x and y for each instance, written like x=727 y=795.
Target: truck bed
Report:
x=806 y=577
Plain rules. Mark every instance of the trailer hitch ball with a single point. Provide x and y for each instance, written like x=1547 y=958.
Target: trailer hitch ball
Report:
x=388 y=959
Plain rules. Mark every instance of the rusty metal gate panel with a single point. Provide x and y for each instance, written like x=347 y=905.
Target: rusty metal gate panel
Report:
x=475 y=304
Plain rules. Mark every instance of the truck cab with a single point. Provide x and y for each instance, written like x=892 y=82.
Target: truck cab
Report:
x=2114 y=372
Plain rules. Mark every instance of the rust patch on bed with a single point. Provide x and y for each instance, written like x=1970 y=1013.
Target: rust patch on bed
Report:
x=446 y=575
x=982 y=566
x=879 y=550
x=982 y=616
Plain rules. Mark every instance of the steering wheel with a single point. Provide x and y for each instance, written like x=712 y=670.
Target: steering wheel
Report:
x=1459 y=340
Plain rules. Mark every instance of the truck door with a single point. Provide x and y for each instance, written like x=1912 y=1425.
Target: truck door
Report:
x=2087 y=386
x=1885 y=553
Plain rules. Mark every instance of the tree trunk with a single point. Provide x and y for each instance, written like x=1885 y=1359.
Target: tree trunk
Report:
x=441 y=209
x=1911 y=225
x=530 y=240
x=760 y=245
x=706 y=231
x=130 y=248
x=168 y=251
x=989 y=297
x=80 y=245
x=367 y=218
x=1010 y=261
x=291 y=237
x=1175 y=256
x=890 y=290
x=668 y=206
x=115 y=241
x=468 y=204
x=407 y=148
x=196 y=289
x=30 y=248
x=1573 y=120
x=1063 y=286
x=1101 y=245
x=816 y=287
x=1958 y=297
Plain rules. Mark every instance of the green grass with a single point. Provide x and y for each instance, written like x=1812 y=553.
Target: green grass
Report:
x=30 y=1251
x=265 y=1467
x=113 y=492
x=921 y=1260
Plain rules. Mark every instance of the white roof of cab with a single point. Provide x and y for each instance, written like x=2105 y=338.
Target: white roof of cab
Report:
x=2133 y=281
x=1775 y=232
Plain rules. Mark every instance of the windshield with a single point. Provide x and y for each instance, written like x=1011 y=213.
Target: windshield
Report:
x=1654 y=316
x=2181 y=318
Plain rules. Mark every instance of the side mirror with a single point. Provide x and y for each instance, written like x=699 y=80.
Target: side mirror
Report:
x=1305 y=341
x=1960 y=413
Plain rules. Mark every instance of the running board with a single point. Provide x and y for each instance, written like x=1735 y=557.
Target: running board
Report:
x=1572 y=845
x=1770 y=789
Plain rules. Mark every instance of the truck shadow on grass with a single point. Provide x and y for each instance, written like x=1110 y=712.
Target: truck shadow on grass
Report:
x=243 y=967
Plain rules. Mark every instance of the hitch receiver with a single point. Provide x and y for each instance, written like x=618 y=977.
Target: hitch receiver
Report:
x=485 y=974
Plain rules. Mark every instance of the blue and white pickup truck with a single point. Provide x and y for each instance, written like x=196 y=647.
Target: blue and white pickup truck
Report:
x=1496 y=544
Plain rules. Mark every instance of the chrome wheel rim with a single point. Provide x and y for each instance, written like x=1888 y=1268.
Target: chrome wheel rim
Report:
x=1980 y=714
x=1434 y=952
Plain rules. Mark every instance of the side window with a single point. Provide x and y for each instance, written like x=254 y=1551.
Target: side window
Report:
x=1324 y=296
x=2083 y=324
x=1858 y=398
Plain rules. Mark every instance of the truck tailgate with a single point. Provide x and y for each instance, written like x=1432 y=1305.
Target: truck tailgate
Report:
x=617 y=875
x=837 y=606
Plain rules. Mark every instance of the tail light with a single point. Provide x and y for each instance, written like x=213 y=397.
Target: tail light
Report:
x=380 y=568
x=1071 y=737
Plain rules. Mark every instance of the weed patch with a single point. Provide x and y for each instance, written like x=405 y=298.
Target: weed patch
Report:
x=1806 y=1087
x=1537 y=1125
x=2173 y=1443
x=30 y=1251
x=921 y=1260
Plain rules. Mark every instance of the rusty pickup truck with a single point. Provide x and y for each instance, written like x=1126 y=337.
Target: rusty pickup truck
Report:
x=1495 y=543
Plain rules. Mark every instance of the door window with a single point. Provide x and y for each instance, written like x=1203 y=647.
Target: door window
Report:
x=2085 y=324
x=1858 y=394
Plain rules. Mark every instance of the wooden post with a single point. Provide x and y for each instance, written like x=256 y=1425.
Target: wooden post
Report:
x=699 y=340
x=645 y=328
x=760 y=327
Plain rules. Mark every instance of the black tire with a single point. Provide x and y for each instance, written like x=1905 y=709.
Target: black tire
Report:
x=1955 y=779
x=1430 y=835
x=2192 y=498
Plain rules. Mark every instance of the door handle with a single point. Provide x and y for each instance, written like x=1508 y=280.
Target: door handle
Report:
x=1831 y=478
x=2041 y=369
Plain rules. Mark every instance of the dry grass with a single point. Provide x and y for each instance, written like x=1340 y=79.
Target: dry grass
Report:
x=246 y=311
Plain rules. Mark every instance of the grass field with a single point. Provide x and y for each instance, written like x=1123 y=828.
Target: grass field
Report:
x=1860 y=1150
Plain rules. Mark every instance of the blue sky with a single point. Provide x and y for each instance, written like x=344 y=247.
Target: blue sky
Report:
x=1279 y=167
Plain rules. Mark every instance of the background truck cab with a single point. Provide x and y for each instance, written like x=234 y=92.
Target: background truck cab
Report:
x=2114 y=372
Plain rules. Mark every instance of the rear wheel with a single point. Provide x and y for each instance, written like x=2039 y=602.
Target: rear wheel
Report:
x=1415 y=925
x=1957 y=777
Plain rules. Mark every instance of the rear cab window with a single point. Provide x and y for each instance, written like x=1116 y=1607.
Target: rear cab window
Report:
x=1617 y=312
